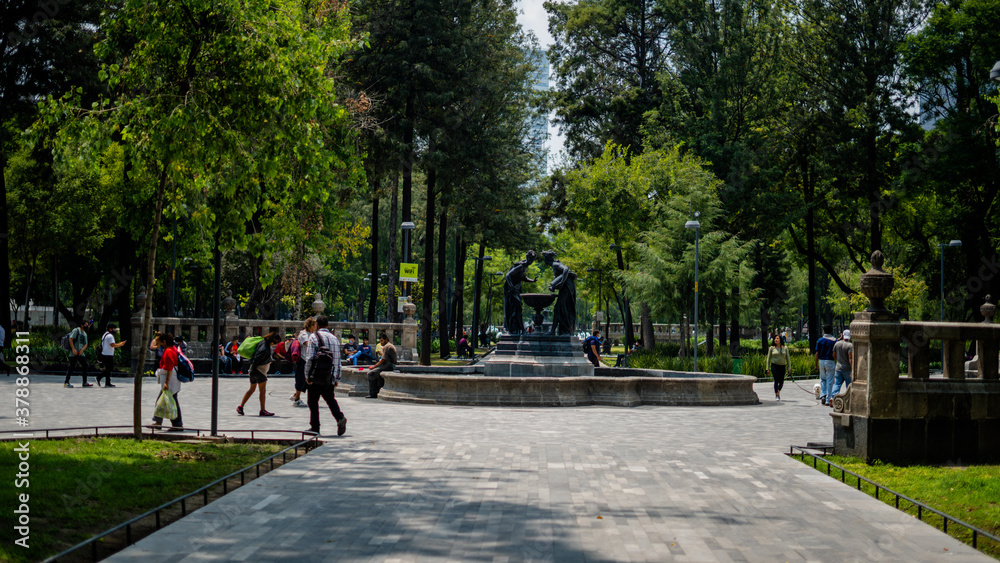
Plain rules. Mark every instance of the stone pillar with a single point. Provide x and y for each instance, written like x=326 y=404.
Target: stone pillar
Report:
x=409 y=339
x=229 y=319
x=318 y=306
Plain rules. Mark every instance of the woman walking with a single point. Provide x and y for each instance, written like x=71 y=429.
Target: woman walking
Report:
x=166 y=377
x=778 y=364
x=259 y=364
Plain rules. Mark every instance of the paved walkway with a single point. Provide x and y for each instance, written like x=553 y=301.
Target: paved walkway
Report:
x=436 y=483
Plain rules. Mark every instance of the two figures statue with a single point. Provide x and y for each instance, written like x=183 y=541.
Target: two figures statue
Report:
x=564 y=313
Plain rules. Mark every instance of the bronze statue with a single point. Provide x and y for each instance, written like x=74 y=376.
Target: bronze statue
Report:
x=512 y=321
x=564 y=312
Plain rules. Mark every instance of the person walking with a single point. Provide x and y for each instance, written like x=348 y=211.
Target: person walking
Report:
x=779 y=364
x=322 y=369
x=298 y=353
x=166 y=377
x=77 y=346
x=260 y=363
x=386 y=363
x=825 y=363
x=108 y=346
x=843 y=352
x=593 y=348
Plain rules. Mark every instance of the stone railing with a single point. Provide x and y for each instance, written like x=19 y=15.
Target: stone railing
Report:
x=668 y=332
x=197 y=332
x=917 y=418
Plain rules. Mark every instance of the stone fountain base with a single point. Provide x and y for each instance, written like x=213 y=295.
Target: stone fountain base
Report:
x=538 y=355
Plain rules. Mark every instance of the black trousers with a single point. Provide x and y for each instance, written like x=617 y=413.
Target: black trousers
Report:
x=778 y=371
x=375 y=380
x=75 y=361
x=109 y=364
x=313 y=393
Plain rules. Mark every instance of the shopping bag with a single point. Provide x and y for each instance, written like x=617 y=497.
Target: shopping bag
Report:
x=166 y=406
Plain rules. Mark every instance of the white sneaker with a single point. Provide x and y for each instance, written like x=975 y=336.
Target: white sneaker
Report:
x=299 y=403
x=292 y=398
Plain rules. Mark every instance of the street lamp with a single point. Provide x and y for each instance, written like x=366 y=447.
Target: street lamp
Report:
x=943 y=245
x=361 y=297
x=694 y=224
x=406 y=227
x=475 y=303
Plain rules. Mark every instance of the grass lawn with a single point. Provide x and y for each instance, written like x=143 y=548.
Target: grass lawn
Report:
x=970 y=494
x=80 y=487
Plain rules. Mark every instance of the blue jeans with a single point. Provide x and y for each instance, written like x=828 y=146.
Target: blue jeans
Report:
x=839 y=378
x=826 y=369
x=354 y=357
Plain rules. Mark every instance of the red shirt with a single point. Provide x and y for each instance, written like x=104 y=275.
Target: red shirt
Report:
x=169 y=359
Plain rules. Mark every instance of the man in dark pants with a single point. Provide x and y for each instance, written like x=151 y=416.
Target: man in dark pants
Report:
x=322 y=379
x=108 y=346
x=386 y=363
x=593 y=344
x=77 y=345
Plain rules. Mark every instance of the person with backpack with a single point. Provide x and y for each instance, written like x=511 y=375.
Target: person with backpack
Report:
x=298 y=351
x=108 y=346
x=592 y=347
x=322 y=369
x=77 y=339
x=260 y=362
x=166 y=377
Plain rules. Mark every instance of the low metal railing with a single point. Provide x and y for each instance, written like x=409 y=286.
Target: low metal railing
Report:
x=305 y=443
x=921 y=507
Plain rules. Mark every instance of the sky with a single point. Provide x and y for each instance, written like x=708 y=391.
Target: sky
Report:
x=533 y=17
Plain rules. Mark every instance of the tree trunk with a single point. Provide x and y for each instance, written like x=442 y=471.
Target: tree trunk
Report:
x=458 y=320
x=721 y=304
x=392 y=258
x=442 y=272
x=710 y=315
x=373 y=297
x=148 y=310
x=426 y=315
x=646 y=321
x=734 y=321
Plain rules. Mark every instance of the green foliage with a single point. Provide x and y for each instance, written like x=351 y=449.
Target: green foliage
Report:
x=910 y=292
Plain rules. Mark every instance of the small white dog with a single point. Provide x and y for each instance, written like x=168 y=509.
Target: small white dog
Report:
x=816 y=390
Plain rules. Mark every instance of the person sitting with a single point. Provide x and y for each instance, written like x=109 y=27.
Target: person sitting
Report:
x=364 y=353
x=349 y=347
x=283 y=354
x=464 y=350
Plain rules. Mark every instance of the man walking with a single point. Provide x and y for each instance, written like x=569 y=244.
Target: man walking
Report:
x=843 y=351
x=77 y=345
x=825 y=363
x=593 y=348
x=108 y=346
x=322 y=370
x=386 y=363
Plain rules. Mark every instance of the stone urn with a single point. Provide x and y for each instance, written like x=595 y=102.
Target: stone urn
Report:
x=877 y=284
x=988 y=310
x=318 y=306
x=538 y=302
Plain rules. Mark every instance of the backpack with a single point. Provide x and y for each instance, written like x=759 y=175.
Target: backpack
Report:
x=296 y=351
x=185 y=369
x=322 y=366
x=249 y=346
x=588 y=342
x=64 y=342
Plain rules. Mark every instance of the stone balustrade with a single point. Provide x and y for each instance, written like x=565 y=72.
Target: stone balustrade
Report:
x=917 y=417
x=667 y=332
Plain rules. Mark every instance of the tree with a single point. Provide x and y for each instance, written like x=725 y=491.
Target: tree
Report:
x=234 y=108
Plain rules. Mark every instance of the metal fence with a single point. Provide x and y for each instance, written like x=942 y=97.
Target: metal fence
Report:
x=921 y=507
x=305 y=443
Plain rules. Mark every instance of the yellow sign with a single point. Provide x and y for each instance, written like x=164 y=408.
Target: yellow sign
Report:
x=408 y=272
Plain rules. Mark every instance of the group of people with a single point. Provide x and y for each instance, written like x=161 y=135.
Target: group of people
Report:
x=78 y=343
x=833 y=359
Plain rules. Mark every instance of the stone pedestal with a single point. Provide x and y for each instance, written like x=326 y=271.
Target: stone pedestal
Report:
x=409 y=339
x=538 y=355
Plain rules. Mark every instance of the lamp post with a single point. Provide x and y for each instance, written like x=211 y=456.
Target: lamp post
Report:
x=406 y=227
x=943 y=245
x=384 y=278
x=475 y=303
x=489 y=297
x=361 y=297
x=694 y=224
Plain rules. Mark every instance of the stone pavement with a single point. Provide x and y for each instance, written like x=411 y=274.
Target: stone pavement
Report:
x=443 y=483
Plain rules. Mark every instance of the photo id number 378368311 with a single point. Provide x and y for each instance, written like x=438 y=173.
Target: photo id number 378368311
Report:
x=21 y=359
